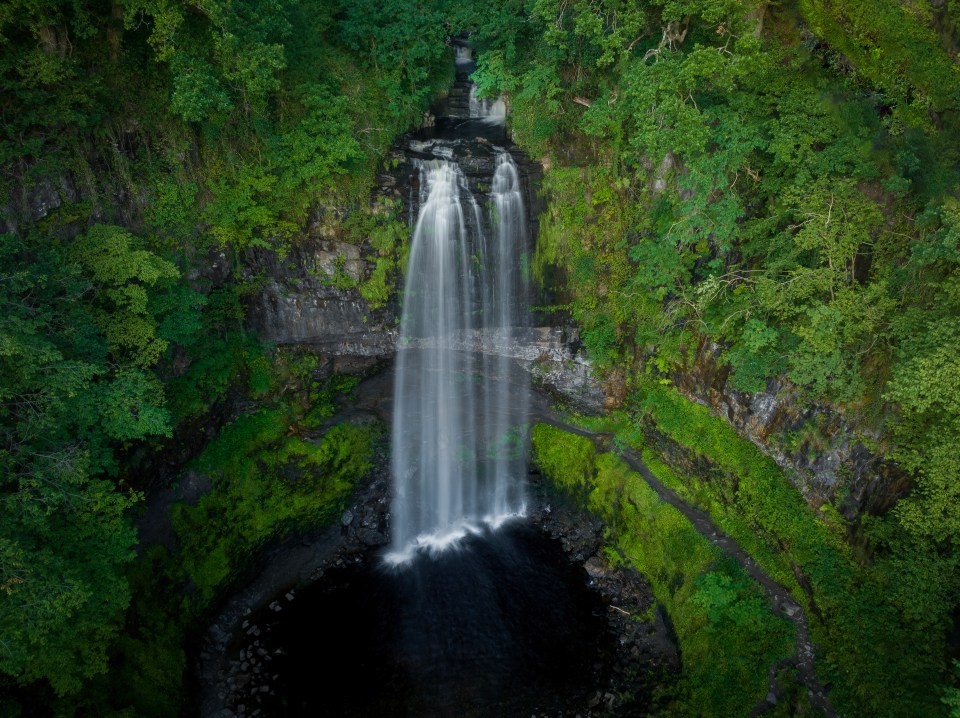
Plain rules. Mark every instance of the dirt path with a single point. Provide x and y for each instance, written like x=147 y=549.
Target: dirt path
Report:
x=782 y=601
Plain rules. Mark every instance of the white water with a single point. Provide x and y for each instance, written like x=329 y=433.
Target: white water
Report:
x=459 y=418
x=491 y=111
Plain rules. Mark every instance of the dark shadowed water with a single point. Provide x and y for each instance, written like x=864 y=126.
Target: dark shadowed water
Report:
x=502 y=626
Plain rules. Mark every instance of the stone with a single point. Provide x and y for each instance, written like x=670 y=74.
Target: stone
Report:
x=310 y=311
x=595 y=566
x=371 y=537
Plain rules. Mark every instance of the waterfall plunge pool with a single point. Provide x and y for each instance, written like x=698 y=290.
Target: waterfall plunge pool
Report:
x=500 y=625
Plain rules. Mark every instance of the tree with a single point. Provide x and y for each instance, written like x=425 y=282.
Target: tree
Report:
x=64 y=535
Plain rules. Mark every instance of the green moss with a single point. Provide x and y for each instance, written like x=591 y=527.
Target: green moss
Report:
x=377 y=288
x=876 y=657
x=388 y=239
x=322 y=397
x=568 y=460
x=260 y=379
x=727 y=635
x=265 y=485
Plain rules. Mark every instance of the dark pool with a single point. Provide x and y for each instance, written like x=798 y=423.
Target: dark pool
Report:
x=502 y=626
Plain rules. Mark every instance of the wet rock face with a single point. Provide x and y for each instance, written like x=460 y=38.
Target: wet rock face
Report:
x=311 y=297
x=32 y=202
x=823 y=453
x=307 y=311
x=474 y=145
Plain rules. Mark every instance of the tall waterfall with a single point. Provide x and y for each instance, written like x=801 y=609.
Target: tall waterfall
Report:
x=459 y=415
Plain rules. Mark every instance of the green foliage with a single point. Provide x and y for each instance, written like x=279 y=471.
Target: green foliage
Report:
x=227 y=121
x=863 y=615
x=388 y=238
x=406 y=49
x=742 y=199
x=266 y=484
x=893 y=44
x=220 y=353
x=148 y=660
x=923 y=387
x=65 y=540
x=952 y=696
x=121 y=275
x=76 y=381
x=220 y=45
x=726 y=632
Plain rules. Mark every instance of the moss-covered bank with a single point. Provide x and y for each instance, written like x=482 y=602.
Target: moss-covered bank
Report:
x=727 y=634
x=881 y=640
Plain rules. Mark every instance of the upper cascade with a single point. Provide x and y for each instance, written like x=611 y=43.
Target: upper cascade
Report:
x=492 y=111
x=463 y=101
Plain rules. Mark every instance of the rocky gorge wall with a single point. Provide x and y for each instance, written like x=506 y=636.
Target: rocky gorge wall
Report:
x=309 y=297
x=825 y=454
x=830 y=457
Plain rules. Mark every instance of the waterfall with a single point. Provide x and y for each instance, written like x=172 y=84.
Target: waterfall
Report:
x=463 y=55
x=503 y=313
x=459 y=415
x=490 y=111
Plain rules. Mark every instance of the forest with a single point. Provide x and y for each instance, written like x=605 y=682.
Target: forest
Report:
x=773 y=185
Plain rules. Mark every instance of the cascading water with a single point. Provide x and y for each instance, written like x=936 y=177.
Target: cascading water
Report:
x=505 y=406
x=493 y=111
x=464 y=102
x=459 y=417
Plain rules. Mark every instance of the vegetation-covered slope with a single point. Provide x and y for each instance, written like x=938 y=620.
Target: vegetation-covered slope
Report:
x=780 y=180
x=142 y=143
